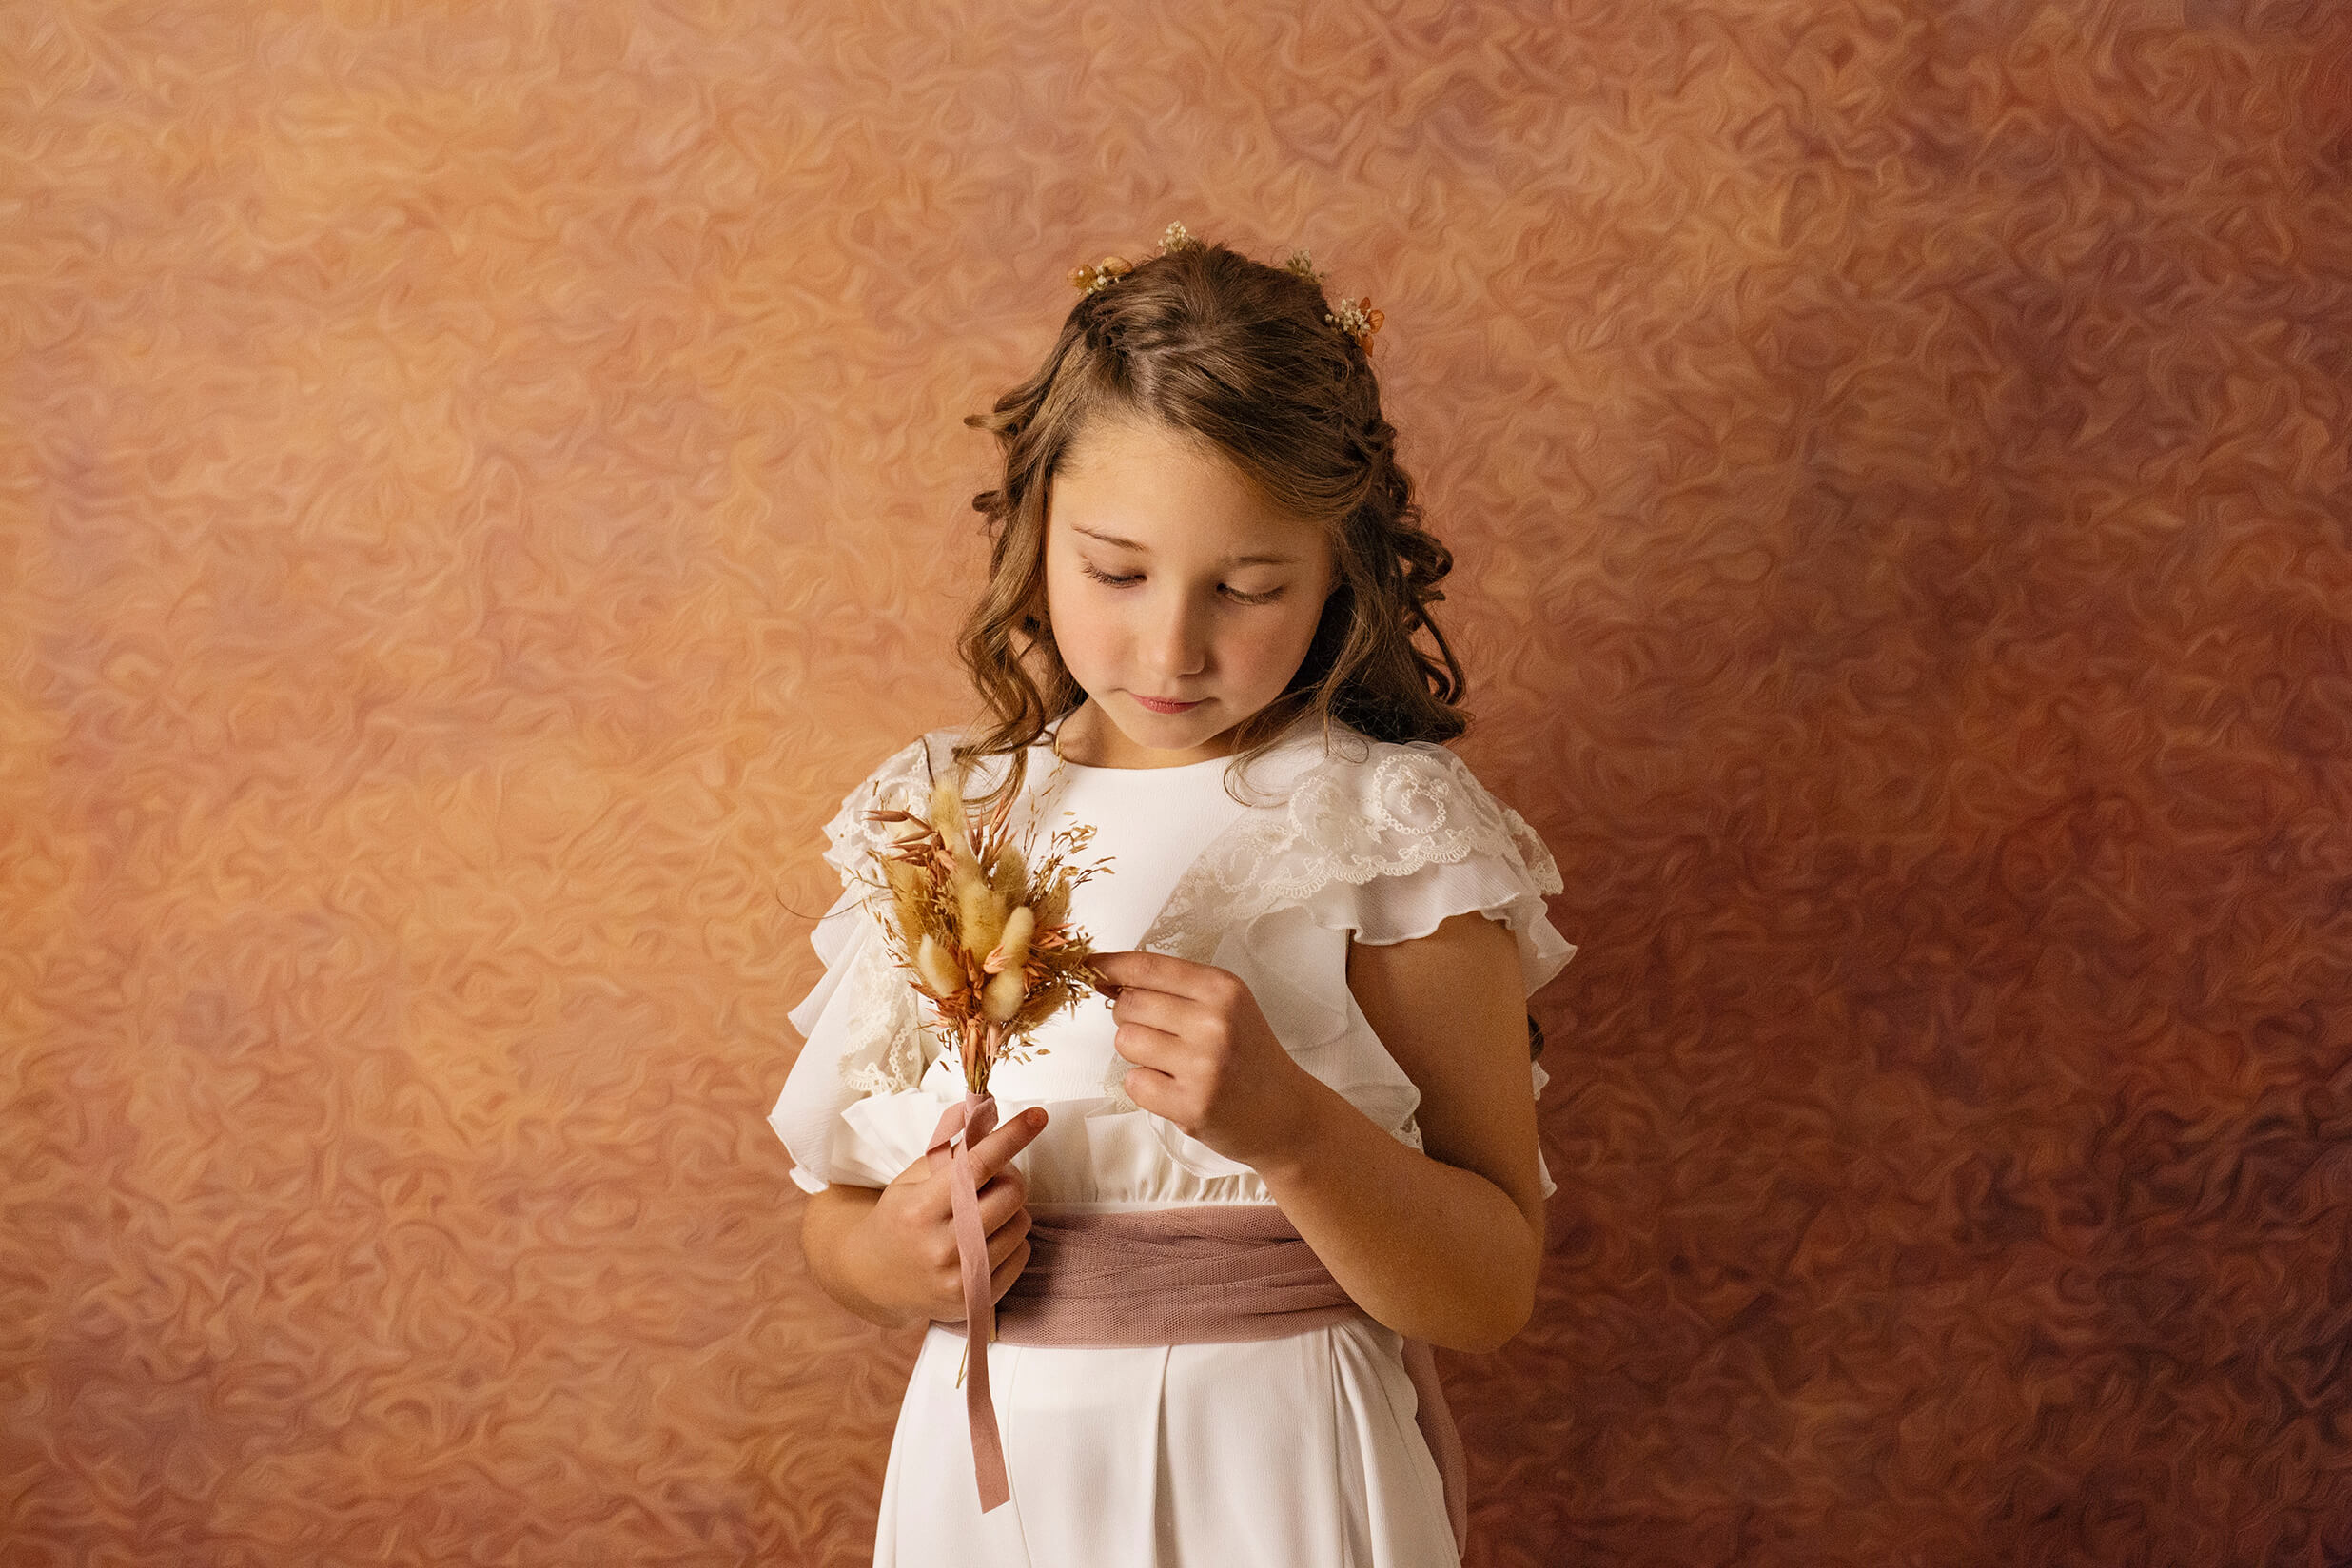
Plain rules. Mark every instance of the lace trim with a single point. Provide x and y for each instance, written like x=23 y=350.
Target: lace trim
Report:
x=903 y=782
x=1114 y=1088
x=1345 y=824
x=880 y=1010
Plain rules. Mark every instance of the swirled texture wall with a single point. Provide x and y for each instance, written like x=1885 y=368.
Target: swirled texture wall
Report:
x=477 y=483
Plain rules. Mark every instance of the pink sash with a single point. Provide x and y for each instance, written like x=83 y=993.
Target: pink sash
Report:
x=1215 y=1274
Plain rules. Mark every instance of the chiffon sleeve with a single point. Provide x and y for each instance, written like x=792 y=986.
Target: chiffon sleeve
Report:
x=1377 y=850
x=863 y=1028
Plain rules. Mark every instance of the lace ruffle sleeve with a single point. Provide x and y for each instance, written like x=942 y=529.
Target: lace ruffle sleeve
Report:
x=1377 y=848
x=862 y=1024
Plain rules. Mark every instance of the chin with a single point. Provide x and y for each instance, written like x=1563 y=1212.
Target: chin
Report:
x=1192 y=732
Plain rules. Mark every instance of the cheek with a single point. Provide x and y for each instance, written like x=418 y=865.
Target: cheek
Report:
x=1080 y=633
x=1277 y=647
x=1062 y=606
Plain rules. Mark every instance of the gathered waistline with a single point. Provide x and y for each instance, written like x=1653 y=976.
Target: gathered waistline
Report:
x=1134 y=1205
x=1209 y=1274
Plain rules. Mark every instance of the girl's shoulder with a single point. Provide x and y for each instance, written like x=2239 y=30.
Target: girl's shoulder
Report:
x=1340 y=806
x=1395 y=784
x=900 y=781
x=913 y=765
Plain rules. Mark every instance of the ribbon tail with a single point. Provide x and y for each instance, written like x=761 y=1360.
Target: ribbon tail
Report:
x=1435 y=1419
x=974 y=1118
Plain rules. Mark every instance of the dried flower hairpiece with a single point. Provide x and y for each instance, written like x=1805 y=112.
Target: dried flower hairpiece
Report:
x=1357 y=319
x=1089 y=280
x=983 y=930
x=1354 y=317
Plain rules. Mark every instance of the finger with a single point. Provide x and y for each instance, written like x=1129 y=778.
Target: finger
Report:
x=1002 y=1244
x=1011 y=1236
x=1001 y=1200
x=1150 y=1089
x=1001 y=1275
x=993 y=1152
x=1160 y=1009
x=1151 y=970
x=1146 y=1047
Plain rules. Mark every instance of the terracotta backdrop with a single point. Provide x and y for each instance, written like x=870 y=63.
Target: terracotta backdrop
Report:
x=479 y=482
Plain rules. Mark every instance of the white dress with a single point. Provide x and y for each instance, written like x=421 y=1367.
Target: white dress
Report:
x=1282 y=1452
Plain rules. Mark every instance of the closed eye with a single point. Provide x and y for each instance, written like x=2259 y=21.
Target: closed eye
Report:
x=1125 y=579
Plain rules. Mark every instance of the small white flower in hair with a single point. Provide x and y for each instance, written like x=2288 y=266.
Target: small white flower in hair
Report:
x=1357 y=319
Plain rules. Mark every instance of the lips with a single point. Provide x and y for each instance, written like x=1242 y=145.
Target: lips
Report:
x=1154 y=705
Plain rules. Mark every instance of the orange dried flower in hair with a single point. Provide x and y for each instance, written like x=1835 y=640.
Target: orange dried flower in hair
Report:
x=1101 y=275
x=1357 y=319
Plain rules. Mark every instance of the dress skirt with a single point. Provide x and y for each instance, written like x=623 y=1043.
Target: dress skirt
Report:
x=1274 y=1454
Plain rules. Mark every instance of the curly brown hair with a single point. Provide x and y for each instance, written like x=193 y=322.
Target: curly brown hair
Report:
x=1205 y=340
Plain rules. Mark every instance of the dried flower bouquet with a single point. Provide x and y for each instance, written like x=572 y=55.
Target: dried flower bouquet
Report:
x=982 y=929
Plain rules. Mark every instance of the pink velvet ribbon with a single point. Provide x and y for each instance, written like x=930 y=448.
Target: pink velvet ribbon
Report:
x=1203 y=1274
x=952 y=1143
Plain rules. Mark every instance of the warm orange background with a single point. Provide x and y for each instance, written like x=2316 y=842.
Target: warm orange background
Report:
x=478 y=483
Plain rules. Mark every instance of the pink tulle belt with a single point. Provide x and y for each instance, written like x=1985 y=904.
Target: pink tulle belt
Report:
x=1216 y=1274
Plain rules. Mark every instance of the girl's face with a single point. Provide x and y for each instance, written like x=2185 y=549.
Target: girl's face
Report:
x=1180 y=600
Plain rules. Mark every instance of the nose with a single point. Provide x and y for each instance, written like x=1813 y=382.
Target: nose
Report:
x=1175 y=643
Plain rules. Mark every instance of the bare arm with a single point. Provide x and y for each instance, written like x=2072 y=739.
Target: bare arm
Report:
x=1444 y=1244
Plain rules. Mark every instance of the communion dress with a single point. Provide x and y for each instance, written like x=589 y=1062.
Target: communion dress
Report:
x=1280 y=1452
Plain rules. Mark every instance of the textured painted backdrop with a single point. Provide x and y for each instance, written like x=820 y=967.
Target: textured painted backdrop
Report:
x=477 y=483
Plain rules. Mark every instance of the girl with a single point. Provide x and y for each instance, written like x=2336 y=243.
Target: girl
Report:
x=1198 y=637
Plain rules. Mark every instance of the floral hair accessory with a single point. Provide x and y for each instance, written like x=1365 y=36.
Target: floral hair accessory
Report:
x=1089 y=280
x=1357 y=319
x=1354 y=317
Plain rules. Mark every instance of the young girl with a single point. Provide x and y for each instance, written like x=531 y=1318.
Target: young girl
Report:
x=1198 y=637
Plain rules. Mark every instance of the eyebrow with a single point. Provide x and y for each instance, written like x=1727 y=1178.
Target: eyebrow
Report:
x=1118 y=543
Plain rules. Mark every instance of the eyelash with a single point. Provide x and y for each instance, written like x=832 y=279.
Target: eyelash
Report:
x=1236 y=595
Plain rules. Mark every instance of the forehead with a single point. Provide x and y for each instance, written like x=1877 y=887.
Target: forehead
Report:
x=1154 y=487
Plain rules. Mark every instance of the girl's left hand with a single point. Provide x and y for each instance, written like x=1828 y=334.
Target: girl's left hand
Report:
x=1203 y=1055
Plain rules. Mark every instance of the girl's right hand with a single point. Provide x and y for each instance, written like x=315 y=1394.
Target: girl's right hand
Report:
x=908 y=1240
